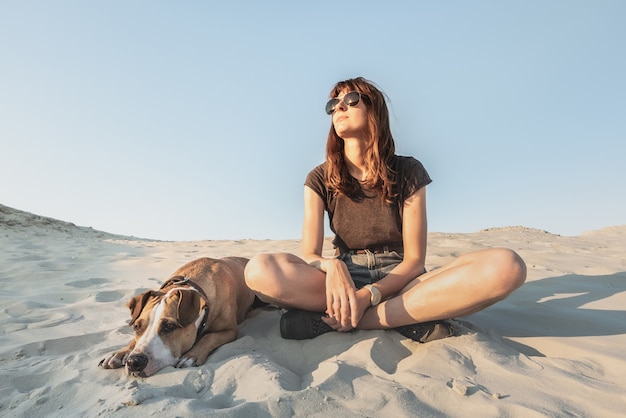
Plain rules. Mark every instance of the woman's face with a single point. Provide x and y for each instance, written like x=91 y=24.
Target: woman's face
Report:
x=349 y=121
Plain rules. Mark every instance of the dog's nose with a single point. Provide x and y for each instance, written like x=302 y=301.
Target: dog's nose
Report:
x=137 y=362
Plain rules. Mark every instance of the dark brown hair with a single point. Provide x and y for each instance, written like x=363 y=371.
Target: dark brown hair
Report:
x=380 y=146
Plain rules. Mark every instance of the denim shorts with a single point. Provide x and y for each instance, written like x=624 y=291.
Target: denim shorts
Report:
x=370 y=267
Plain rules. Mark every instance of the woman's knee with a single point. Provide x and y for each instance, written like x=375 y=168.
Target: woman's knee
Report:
x=507 y=269
x=259 y=270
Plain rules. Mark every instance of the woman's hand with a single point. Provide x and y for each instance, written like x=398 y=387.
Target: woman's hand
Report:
x=344 y=304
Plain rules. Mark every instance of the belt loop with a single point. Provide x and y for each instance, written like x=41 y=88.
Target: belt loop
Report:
x=371 y=261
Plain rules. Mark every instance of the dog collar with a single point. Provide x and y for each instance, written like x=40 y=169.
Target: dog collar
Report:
x=184 y=281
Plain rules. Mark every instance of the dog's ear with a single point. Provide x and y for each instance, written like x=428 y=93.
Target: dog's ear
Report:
x=189 y=305
x=137 y=304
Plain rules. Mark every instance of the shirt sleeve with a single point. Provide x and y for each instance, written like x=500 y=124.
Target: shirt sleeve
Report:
x=315 y=180
x=412 y=177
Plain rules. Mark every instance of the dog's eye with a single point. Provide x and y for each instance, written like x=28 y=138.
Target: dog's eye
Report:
x=137 y=326
x=168 y=327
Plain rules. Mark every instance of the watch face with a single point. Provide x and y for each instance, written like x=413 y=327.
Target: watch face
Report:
x=375 y=298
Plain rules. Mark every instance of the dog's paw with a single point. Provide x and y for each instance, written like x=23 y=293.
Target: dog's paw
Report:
x=186 y=361
x=114 y=360
x=194 y=357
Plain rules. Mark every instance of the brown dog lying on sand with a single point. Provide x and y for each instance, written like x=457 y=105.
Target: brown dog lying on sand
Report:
x=195 y=311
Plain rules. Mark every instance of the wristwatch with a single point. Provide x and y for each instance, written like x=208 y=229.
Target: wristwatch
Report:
x=375 y=295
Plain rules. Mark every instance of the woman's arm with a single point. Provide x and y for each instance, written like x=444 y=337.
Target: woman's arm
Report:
x=313 y=228
x=342 y=306
x=414 y=236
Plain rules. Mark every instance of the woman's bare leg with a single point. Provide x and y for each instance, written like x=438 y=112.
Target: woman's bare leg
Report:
x=287 y=281
x=465 y=286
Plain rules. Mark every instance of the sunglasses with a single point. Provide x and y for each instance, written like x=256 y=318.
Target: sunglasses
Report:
x=349 y=99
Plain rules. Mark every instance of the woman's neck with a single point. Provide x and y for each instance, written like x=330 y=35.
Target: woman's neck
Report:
x=354 y=152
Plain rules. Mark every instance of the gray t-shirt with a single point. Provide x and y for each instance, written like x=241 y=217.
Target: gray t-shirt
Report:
x=366 y=220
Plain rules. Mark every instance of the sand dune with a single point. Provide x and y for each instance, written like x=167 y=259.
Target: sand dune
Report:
x=554 y=348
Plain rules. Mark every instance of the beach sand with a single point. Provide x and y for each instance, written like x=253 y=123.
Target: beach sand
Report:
x=556 y=347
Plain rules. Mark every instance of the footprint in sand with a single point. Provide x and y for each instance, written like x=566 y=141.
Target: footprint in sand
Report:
x=109 y=296
x=200 y=380
x=64 y=346
x=37 y=315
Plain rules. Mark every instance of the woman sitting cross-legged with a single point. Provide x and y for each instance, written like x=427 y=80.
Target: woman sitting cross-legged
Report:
x=376 y=204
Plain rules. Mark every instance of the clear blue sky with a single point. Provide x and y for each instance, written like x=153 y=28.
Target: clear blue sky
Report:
x=200 y=119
